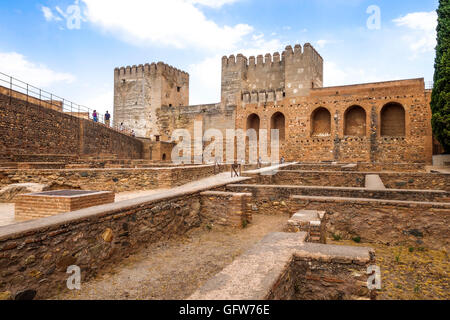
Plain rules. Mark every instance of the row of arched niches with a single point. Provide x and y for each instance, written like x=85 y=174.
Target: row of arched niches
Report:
x=392 y=122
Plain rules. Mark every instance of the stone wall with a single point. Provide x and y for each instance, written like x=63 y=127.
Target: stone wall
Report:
x=283 y=267
x=212 y=116
x=117 y=180
x=359 y=166
x=226 y=208
x=383 y=221
x=35 y=206
x=310 y=277
x=369 y=145
x=274 y=193
x=400 y=180
x=35 y=255
x=32 y=129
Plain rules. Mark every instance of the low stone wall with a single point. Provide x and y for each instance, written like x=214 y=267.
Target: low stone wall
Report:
x=360 y=166
x=282 y=193
x=423 y=224
x=283 y=267
x=226 y=208
x=35 y=206
x=312 y=222
x=317 y=276
x=66 y=158
x=441 y=160
x=417 y=181
x=35 y=255
x=116 y=180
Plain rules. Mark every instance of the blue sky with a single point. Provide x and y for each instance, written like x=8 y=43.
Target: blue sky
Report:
x=42 y=44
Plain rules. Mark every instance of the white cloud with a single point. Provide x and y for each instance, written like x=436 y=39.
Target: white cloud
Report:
x=421 y=34
x=177 y=23
x=213 y=3
x=17 y=66
x=48 y=14
x=419 y=20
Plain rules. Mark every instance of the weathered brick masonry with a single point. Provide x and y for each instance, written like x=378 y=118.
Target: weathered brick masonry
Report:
x=35 y=255
x=28 y=128
x=418 y=218
x=35 y=206
x=226 y=208
x=117 y=180
x=392 y=123
x=384 y=221
x=394 y=180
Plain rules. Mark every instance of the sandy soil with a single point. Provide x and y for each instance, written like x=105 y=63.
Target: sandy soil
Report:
x=174 y=270
x=6 y=214
x=410 y=273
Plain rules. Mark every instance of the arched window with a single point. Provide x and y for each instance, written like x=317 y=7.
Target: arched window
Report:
x=164 y=157
x=393 y=120
x=355 y=122
x=278 y=122
x=253 y=122
x=321 y=122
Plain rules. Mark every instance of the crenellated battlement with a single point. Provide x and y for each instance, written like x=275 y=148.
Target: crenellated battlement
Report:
x=140 y=90
x=150 y=69
x=295 y=71
x=272 y=59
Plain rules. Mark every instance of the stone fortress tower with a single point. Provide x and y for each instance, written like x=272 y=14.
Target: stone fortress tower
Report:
x=271 y=78
x=387 y=121
x=139 y=91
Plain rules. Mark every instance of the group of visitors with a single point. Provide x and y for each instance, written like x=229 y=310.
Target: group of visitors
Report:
x=95 y=117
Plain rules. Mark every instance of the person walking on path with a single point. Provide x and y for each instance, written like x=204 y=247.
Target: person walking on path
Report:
x=107 y=119
x=95 y=116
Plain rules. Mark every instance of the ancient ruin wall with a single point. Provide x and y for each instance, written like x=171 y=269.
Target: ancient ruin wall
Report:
x=28 y=128
x=139 y=91
x=117 y=180
x=383 y=221
x=212 y=116
x=91 y=239
x=321 y=126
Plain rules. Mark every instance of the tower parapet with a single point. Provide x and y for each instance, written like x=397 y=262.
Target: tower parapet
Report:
x=295 y=72
x=140 y=90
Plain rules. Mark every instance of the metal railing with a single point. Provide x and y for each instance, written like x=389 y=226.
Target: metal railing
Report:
x=17 y=89
x=429 y=85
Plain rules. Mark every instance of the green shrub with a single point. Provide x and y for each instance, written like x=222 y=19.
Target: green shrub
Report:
x=357 y=239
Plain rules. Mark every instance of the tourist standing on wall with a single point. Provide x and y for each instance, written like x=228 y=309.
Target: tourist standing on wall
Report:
x=121 y=128
x=133 y=134
x=107 y=118
x=95 y=116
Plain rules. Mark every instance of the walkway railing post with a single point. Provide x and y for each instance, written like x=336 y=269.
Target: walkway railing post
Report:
x=10 y=90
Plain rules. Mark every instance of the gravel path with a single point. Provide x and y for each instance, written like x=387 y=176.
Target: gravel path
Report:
x=174 y=270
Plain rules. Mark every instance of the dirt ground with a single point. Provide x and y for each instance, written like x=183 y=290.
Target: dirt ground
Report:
x=174 y=270
x=410 y=273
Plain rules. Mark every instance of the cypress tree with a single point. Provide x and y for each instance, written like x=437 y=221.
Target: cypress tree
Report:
x=440 y=99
